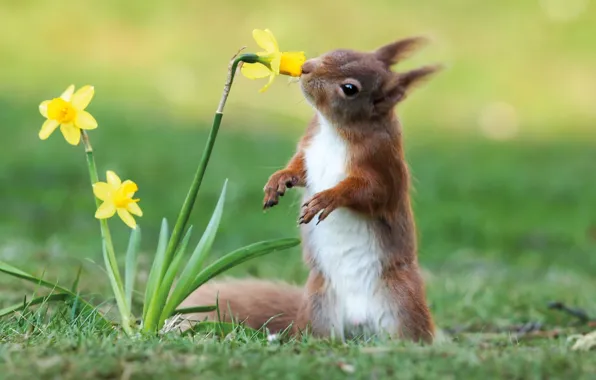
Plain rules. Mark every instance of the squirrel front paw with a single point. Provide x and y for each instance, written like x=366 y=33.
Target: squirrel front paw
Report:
x=277 y=185
x=324 y=202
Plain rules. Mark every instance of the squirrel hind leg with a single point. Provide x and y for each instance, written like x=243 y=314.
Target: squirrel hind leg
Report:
x=255 y=303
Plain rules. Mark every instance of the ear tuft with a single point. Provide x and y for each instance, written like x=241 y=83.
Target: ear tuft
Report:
x=394 y=52
x=415 y=77
x=400 y=85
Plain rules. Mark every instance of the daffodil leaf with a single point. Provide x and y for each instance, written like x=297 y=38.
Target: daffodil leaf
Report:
x=197 y=258
x=130 y=271
x=159 y=299
x=239 y=256
x=35 y=301
x=158 y=262
x=116 y=283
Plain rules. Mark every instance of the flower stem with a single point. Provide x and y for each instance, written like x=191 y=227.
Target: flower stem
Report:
x=108 y=247
x=191 y=196
x=152 y=321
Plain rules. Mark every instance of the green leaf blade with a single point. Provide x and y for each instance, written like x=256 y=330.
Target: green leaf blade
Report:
x=240 y=256
x=159 y=299
x=198 y=256
x=130 y=270
x=153 y=280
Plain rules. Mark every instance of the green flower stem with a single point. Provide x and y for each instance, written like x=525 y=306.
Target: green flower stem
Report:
x=108 y=252
x=150 y=324
x=191 y=197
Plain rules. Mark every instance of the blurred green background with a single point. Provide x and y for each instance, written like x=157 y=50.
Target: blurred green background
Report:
x=501 y=144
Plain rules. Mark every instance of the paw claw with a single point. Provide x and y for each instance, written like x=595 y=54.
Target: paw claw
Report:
x=270 y=203
x=277 y=186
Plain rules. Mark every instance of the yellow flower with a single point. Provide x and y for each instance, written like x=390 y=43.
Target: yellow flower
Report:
x=272 y=61
x=68 y=112
x=117 y=197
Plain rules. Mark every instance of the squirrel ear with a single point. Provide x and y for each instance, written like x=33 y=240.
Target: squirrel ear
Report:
x=398 y=50
x=400 y=85
x=415 y=77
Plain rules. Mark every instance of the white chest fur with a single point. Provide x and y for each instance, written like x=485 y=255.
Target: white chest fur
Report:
x=344 y=247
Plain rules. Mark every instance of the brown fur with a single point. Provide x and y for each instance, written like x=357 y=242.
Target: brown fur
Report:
x=377 y=186
x=255 y=303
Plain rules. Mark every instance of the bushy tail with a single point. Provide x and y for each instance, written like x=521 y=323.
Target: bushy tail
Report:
x=252 y=302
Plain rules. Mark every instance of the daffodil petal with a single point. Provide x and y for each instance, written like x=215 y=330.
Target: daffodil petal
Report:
x=67 y=94
x=43 y=108
x=71 y=134
x=127 y=218
x=255 y=70
x=83 y=96
x=102 y=190
x=134 y=209
x=129 y=188
x=275 y=63
x=113 y=179
x=265 y=87
x=47 y=128
x=265 y=40
x=106 y=210
x=84 y=120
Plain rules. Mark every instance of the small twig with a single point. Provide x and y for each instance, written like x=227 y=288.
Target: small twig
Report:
x=576 y=312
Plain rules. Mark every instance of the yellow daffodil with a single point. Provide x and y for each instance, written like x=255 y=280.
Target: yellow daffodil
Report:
x=68 y=112
x=272 y=62
x=117 y=196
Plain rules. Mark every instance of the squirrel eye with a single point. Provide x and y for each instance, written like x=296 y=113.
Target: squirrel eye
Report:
x=349 y=89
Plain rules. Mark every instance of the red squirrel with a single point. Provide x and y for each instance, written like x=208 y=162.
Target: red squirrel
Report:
x=357 y=225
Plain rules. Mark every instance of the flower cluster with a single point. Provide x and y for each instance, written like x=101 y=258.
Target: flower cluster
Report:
x=68 y=111
x=174 y=275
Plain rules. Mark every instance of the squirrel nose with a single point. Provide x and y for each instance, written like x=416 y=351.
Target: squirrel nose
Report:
x=309 y=66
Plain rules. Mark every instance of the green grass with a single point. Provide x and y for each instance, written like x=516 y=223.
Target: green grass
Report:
x=505 y=228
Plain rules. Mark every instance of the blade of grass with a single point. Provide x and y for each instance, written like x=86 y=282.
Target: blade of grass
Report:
x=195 y=309
x=130 y=270
x=75 y=284
x=153 y=322
x=197 y=258
x=16 y=272
x=153 y=281
x=35 y=301
x=222 y=329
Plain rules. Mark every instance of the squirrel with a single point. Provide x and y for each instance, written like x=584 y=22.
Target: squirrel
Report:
x=361 y=250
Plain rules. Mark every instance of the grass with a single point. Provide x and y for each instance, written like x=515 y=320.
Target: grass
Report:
x=505 y=227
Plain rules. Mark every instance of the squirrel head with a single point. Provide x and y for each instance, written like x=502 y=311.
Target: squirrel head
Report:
x=348 y=86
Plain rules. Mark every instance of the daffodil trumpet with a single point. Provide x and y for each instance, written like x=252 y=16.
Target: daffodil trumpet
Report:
x=272 y=61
